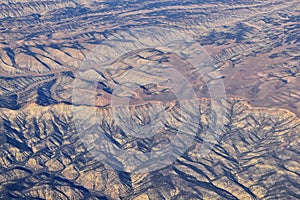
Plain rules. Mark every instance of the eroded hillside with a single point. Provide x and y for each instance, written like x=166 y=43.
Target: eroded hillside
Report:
x=256 y=157
x=249 y=49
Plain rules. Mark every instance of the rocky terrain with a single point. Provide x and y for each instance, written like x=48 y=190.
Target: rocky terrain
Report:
x=60 y=59
x=256 y=158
